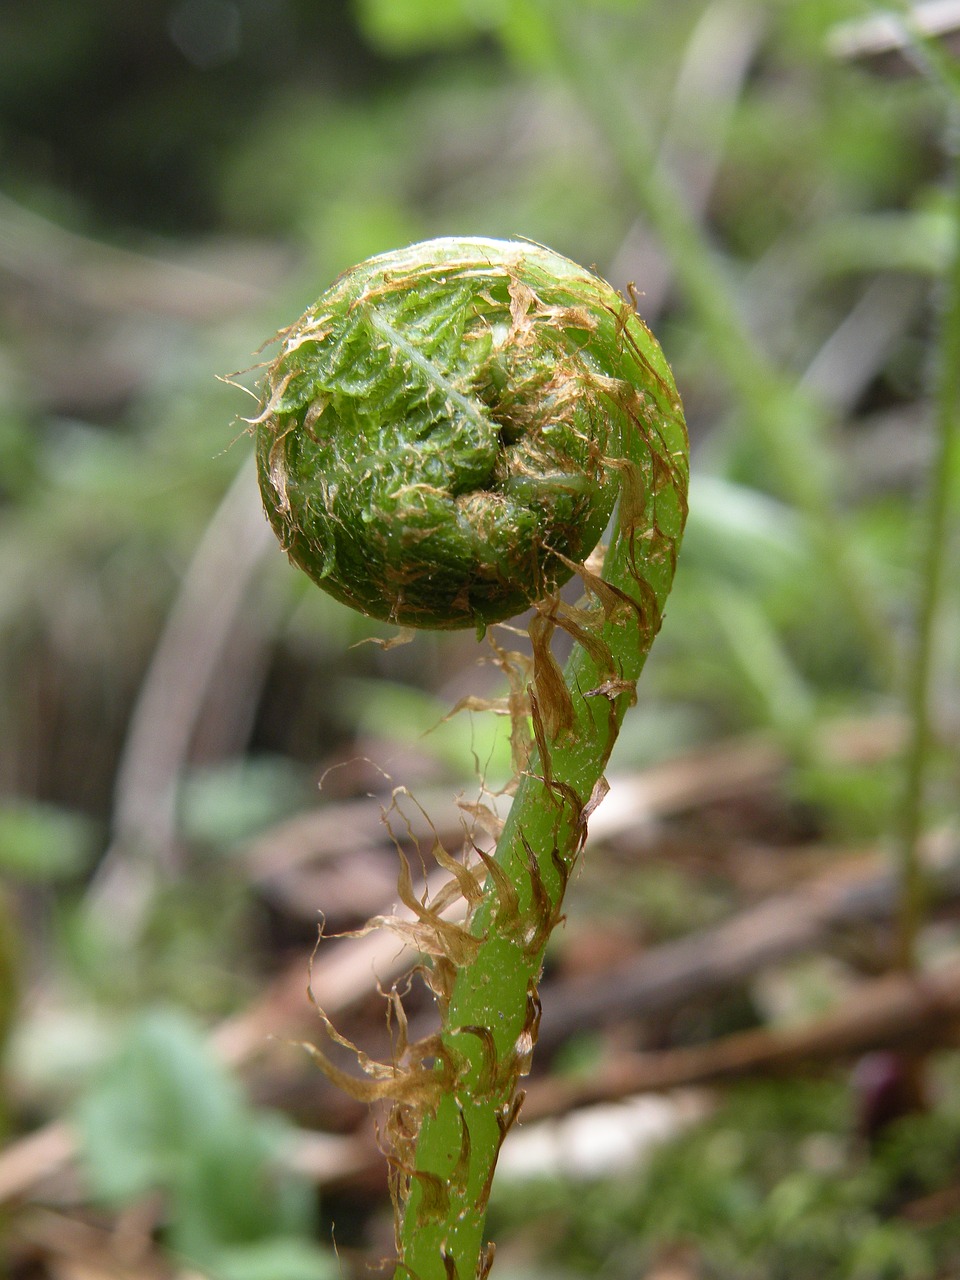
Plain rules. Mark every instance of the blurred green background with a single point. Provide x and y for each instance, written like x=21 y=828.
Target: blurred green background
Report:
x=179 y=180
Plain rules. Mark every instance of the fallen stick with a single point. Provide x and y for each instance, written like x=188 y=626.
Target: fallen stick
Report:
x=657 y=980
x=918 y=1012
x=715 y=959
x=343 y=973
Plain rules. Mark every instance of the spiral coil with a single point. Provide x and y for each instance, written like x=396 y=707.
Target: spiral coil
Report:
x=438 y=437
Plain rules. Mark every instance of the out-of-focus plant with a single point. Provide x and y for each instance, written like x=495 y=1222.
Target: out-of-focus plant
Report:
x=776 y=1182
x=164 y=1117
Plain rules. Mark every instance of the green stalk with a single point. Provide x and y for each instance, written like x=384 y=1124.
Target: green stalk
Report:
x=458 y=1143
x=920 y=675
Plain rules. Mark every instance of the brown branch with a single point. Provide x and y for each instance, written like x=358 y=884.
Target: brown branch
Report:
x=196 y=634
x=201 y=286
x=701 y=964
x=898 y=1010
x=884 y=41
x=345 y=972
x=342 y=975
x=721 y=772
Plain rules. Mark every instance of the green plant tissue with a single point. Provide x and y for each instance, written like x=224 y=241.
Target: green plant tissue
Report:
x=164 y=1116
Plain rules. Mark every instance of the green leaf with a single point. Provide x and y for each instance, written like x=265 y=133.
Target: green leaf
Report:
x=409 y=26
x=9 y=971
x=228 y=803
x=737 y=531
x=234 y=1193
x=166 y=1116
x=156 y=1108
x=465 y=743
x=770 y=677
x=276 y=1259
x=41 y=842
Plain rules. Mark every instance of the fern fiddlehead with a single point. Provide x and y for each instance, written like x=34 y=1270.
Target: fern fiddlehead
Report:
x=443 y=439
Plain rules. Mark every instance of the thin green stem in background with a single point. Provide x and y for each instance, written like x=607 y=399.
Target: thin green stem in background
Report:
x=921 y=670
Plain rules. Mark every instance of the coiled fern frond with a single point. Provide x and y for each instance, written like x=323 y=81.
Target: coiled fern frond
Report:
x=442 y=429
x=442 y=441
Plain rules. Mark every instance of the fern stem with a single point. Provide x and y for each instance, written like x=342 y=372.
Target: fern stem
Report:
x=457 y=1146
x=442 y=441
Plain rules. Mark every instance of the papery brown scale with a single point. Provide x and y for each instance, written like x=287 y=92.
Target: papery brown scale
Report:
x=553 y=696
x=489 y=1074
x=435 y=1200
x=508 y=901
x=541 y=909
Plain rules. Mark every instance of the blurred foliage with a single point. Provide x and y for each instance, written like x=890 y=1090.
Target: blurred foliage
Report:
x=163 y=1116
x=776 y=1184
x=223 y=805
x=185 y=176
x=38 y=842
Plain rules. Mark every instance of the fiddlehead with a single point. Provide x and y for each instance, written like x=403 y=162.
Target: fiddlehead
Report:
x=442 y=441
x=436 y=442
